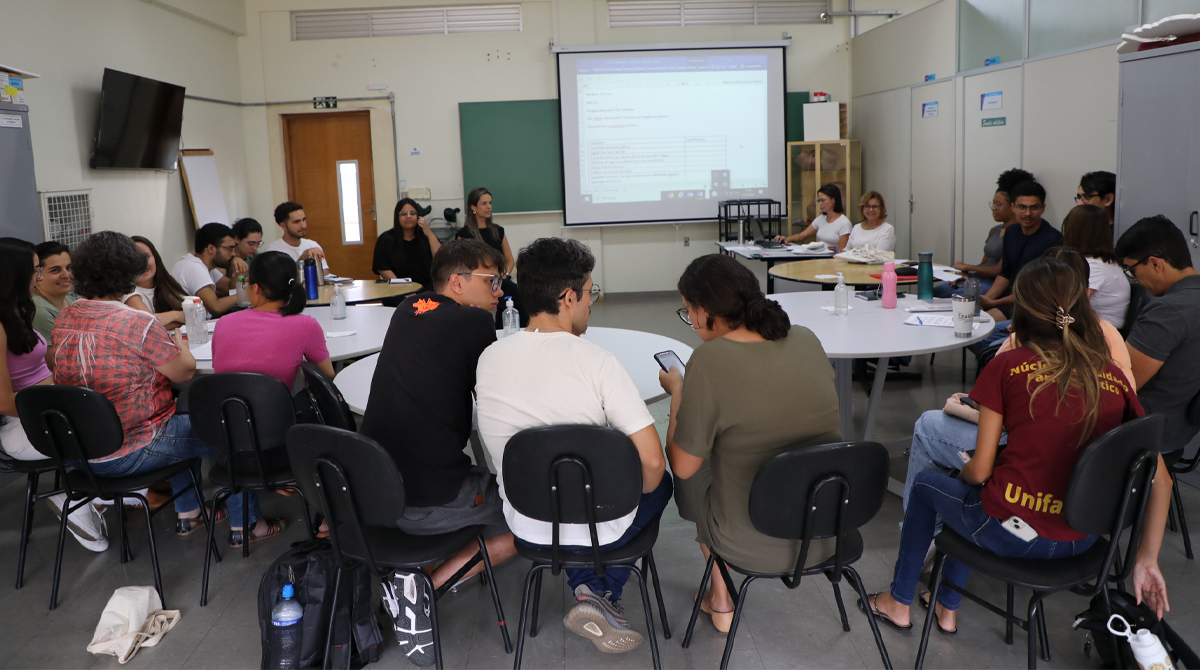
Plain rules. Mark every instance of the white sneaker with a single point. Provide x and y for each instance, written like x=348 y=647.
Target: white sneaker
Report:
x=407 y=603
x=86 y=523
x=129 y=501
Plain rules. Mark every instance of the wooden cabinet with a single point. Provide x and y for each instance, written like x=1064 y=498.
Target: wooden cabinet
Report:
x=812 y=164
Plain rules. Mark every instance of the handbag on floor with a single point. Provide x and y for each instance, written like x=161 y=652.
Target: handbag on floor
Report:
x=1140 y=617
x=132 y=619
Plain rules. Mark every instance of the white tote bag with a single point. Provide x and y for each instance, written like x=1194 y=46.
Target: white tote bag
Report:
x=132 y=619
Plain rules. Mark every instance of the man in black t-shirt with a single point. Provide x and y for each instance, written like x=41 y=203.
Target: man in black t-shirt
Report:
x=420 y=412
x=1021 y=245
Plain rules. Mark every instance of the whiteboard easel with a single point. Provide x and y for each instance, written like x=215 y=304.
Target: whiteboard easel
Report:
x=203 y=186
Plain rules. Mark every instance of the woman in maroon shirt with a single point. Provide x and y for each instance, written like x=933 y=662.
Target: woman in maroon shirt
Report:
x=1053 y=394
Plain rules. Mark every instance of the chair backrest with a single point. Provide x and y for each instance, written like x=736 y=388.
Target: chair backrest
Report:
x=241 y=414
x=1137 y=300
x=332 y=408
x=353 y=479
x=1110 y=485
x=572 y=474
x=70 y=424
x=820 y=491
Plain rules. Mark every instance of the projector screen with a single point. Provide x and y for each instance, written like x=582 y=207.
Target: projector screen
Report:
x=662 y=136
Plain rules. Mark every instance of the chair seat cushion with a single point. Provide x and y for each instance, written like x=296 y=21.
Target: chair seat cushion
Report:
x=79 y=479
x=219 y=475
x=631 y=551
x=852 y=549
x=25 y=467
x=393 y=548
x=1039 y=575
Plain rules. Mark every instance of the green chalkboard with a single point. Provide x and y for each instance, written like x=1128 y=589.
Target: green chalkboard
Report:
x=794 y=107
x=515 y=150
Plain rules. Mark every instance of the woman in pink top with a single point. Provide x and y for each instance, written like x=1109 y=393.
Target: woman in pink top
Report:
x=273 y=338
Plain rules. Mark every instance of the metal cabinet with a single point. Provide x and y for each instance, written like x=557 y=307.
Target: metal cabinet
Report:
x=21 y=213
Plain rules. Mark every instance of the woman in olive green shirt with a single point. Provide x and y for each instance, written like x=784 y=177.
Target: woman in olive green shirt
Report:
x=735 y=410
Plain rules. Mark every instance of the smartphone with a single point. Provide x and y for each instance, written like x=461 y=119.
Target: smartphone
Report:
x=966 y=400
x=669 y=359
x=1017 y=526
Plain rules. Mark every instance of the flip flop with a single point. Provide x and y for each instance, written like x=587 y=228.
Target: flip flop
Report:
x=873 y=598
x=925 y=606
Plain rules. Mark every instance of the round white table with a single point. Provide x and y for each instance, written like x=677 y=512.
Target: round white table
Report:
x=869 y=331
x=370 y=323
x=633 y=348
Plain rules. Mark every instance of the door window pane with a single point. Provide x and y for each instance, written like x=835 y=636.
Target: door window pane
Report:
x=990 y=29
x=350 y=204
x=1062 y=25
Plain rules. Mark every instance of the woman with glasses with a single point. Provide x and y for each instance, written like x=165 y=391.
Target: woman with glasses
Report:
x=832 y=227
x=874 y=229
x=407 y=249
x=1088 y=230
x=719 y=435
x=1004 y=216
x=1100 y=189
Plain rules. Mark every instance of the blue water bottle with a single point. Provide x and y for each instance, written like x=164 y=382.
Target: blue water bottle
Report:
x=285 y=636
x=925 y=275
x=310 y=278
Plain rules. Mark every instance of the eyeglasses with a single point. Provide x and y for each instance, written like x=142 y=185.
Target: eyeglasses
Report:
x=594 y=293
x=230 y=247
x=1086 y=196
x=496 y=280
x=1129 y=269
x=408 y=214
x=871 y=207
x=993 y=205
x=683 y=315
x=1028 y=208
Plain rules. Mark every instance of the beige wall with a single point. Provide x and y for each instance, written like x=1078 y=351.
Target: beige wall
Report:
x=986 y=153
x=144 y=39
x=904 y=51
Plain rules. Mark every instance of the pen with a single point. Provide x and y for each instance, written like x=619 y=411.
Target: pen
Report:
x=920 y=321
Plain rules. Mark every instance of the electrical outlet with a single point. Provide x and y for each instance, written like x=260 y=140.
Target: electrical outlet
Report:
x=420 y=193
x=687 y=241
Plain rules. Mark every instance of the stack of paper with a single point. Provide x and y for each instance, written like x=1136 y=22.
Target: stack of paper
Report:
x=933 y=320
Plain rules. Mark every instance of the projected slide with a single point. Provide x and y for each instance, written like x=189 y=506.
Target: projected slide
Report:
x=664 y=136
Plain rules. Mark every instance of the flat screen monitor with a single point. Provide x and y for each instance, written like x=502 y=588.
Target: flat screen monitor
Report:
x=140 y=122
x=662 y=136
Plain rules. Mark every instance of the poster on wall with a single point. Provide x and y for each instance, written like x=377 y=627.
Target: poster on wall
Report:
x=991 y=100
x=929 y=110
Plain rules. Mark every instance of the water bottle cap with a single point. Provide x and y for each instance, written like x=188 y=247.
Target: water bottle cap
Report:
x=288 y=591
x=972 y=275
x=508 y=302
x=889 y=266
x=840 y=277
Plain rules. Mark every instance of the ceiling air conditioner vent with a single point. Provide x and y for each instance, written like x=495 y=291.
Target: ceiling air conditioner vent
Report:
x=406 y=21
x=683 y=13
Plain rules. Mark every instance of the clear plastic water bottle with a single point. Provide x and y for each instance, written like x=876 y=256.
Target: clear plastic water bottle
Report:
x=512 y=321
x=972 y=288
x=337 y=304
x=243 y=297
x=199 y=334
x=285 y=634
x=841 y=297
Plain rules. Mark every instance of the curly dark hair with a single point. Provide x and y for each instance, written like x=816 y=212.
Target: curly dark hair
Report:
x=1009 y=179
x=549 y=266
x=107 y=265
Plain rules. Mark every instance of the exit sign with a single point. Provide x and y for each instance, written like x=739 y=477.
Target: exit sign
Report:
x=325 y=103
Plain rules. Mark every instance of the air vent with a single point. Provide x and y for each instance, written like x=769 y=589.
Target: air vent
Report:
x=67 y=216
x=408 y=21
x=674 y=13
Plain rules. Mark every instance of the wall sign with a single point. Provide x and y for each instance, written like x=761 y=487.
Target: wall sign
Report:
x=991 y=100
x=10 y=121
x=929 y=110
x=991 y=61
x=325 y=103
x=994 y=121
x=930 y=77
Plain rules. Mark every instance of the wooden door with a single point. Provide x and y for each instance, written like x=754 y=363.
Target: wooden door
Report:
x=313 y=146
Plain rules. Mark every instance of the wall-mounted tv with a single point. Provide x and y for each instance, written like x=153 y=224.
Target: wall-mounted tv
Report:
x=140 y=121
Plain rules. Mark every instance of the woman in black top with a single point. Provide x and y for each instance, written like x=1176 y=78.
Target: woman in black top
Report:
x=478 y=226
x=407 y=249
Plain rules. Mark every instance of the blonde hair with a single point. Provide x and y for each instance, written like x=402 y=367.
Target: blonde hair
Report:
x=867 y=198
x=1053 y=317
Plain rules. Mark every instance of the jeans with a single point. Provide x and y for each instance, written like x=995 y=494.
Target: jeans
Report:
x=650 y=507
x=936 y=497
x=945 y=290
x=174 y=443
x=938 y=439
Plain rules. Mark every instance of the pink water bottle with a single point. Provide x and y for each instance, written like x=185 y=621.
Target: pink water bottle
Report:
x=889 y=285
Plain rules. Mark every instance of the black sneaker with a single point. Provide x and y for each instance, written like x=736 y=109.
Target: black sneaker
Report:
x=407 y=602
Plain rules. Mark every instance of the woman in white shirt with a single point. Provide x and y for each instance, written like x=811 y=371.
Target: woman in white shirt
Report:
x=874 y=229
x=832 y=227
x=1088 y=230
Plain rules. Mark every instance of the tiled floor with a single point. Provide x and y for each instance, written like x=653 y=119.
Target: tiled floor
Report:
x=780 y=629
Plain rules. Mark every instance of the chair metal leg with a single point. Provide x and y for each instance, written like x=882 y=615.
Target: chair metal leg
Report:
x=737 y=618
x=837 y=595
x=662 y=608
x=537 y=604
x=126 y=552
x=649 y=616
x=62 y=538
x=26 y=523
x=1178 y=506
x=852 y=575
x=1008 y=623
x=1116 y=653
x=1031 y=627
x=312 y=530
x=1043 y=636
x=935 y=580
x=433 y=619
x=491 y=582
x=211 y=545
x=153 y=552
x=524 y=612
x=687 y=636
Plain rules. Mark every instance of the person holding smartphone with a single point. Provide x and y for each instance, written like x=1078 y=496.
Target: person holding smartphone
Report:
x=1054 y=393
x=719 y=435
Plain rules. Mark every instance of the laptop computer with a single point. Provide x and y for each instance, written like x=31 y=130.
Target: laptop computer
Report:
x=761 y=239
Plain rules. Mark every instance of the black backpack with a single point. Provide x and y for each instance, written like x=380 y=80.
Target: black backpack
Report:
x=311 y=568
x=1095 y=622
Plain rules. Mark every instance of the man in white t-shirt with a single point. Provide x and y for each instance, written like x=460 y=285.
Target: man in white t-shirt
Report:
x=203 y=274
x=290 y=217
x=577 y=383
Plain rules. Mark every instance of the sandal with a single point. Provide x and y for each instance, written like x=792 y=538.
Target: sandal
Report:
x=274 y=527
x=873 y=599
x=925 y=606
x=185 y=527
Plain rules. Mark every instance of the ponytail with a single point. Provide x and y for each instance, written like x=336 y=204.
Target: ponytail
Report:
x=725 y=288
x=766 y=317
x=274 y=273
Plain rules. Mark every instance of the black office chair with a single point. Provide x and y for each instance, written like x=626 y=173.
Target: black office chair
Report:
x=32 y=470
x=331 y=408
x=809 y=493
x=1182 y=466
x=580 y=475
x=75 y=424
x=360 y=491
x=244 y=417
x=1137 y=300
x=1108 y=492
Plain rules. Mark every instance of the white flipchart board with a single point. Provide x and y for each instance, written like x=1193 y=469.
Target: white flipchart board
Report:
x=203 y=186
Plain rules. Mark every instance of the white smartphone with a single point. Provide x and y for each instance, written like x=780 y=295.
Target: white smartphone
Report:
x=1017 y=526
x=669 y=359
